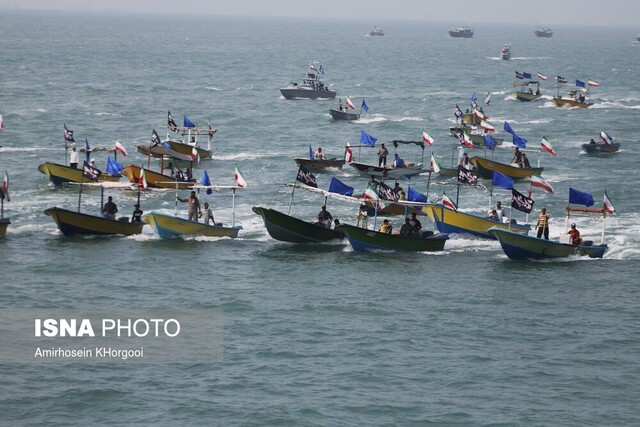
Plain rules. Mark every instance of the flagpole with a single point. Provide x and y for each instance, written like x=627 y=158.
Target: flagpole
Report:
x=428 y=183
x=375 y=214
x=233 y=209
x=80 y=193
x=293 y=189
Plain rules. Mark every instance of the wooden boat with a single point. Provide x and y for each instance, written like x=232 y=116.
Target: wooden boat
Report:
x=72 y=223
x=168 y=226
x=362 y=239
x=600 y=148
x=543 y=32
x=286 y=228
x=461 y=32
x=474 y=135
x=319 y=164
x=163 y=153
x=343 y=115
x=561 y=102
x=59 y=174
x=505 y=52
x=522 y=246
x=449 y=221
x=524 y=91
x=187 y=149
x=4 y=224
x=311 y=86
x=407 y=172
x=154 y=179
x=486 y=167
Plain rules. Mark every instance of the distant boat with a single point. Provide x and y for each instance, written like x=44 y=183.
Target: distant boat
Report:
x=486 y=167
x=524 y=90
x=155 y=179
x=543 y=32
x=604 y=146
x=311 y=86
x=362 y=239
x=376 y=31
x=59 y=174
x=461 y=32
x=576 y=98
x=505 y=52
x=319 y=164
x=638 y=38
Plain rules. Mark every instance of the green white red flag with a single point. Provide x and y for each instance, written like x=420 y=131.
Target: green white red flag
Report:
x=538 y=181
x=5 y=187
x=371 y=193
x=547 y=145
x=608 y=206
x=240 y=181
x=434 y=164
x=427 y=138
x=447 y=202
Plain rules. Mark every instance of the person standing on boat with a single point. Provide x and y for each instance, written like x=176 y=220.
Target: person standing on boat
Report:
x=319 y=155
x=136 y=217
x=415 y=222
x=543 y=224
x=575 y=235
x=517 y=157
x=109 y=210
x=363 y=217
x=524 y=161
x=74 y=157
x=194 y=206
x=324 y=217
x=208 y=215
x=382 y=156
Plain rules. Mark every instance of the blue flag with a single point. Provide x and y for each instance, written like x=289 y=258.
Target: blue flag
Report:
x=490 y=142
x=507 y=127
x=321 y=70
x=188 y=123
x=474 y=97
x=501 y=180
x=580 y=198
x=87 y=148
x=519 y=142
x=367 y=139
x=415 y=196
x=364 y=106
x=166 y=145
x=113 y=167
x=338 y=187
x=526 y=75
x=206 y=181
x=580 y=83
x=310 y=152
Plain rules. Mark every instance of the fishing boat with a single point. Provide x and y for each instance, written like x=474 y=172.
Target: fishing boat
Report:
x=461 y=32
x=344 y=114
x=600 y=148
x=576 y=98
x=72 y=223
x=396 y=168
x=448 y=220
x=362 y=239
x=505 y=52
x=311 y=86
x=376 y=31
x=187 y=149
x=169 y=226
x=287 y=228
x=155 y=179
x=190 y=133
x=543 y=32
x=485 y=168
x=320 y=165
x=475 y=133
x=59 y=174
x=524 y=90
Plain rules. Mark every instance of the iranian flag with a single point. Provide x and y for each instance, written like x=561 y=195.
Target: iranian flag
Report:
x=195 y=155
x=142 y=180
x=447 y=202
x=120 y=148
x=605 y=138
x=547 y=145
x=240 y=181
x=593 y=83
x=348 y=154
x=486 y=126
x=5 y=187
x=371 y=193
x=427 y=138
x=542 y=76
x=466 y=140
x=349 y=103
x=1 y=123
x=608 y=206
x=487 y=99
x=478 y=114
x=538 y=181
x=434 y=164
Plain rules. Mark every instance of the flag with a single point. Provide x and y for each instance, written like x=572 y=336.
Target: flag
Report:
x=68 y=134
x=526 y=75
x=519 y=75
x=606 y=139
x=321 y=70
x=608 y=206
x=434 y=164
x=171 y=123
x=386 y=192
x=487 y=99
x=466 y=176
x=490 y=142
x=195 y=155
x=538 y=181
x=561 y=79
x=501 y=180
x=87 y=148
x=348 y=154
x=466 y=140
x=371 y=193
x=90 y=172
x=313 y=68
x=113 y=168
x=120 y=148
x=458 y=112
x=364 y=106
x=507 y=128
x=474 y=97
x=593 y=83
x=448 y=203
x=5 y=187
x=306 y=177
x=486 y=126
x=142 y=180
x=349 y=103
x=1 y=123
x=338 y=187
x=474 y=105
x=206 y=181
x=155 y=139
x=580 y=198
x=544 y=143
x=427 y=138
x=542 y=76
x=519 y=142
x=310 y=152
x=240 y=181
x=521 y=202
x=367 y=139
x=415 y=196
x=211 y=130
x=580 y=83
x=188 y=123
x=165 y=144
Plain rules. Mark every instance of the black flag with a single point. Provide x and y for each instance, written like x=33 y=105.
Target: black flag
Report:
x=90 y=172
x=155 y=139
x=171 y=123
x=521 y=202
x=68 y=134
x=466 y=176
x=386 y=192
x=306 y=177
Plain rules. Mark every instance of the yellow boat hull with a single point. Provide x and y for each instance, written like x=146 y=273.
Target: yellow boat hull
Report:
x=486 y=167
x=59 y=174
x=154 y=179
x=72 y=223
x=168 y=226
x=187 y=149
